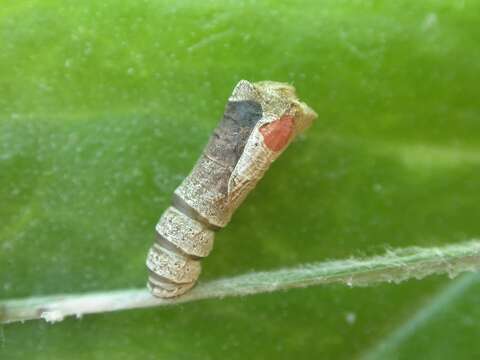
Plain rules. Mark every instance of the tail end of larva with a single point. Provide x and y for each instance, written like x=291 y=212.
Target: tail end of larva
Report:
x=173 y=261
x=162 y=288
x=170 y=274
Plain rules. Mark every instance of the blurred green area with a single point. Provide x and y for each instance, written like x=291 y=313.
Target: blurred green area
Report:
x=105 y=106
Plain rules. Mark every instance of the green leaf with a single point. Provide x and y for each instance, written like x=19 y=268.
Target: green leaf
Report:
x=105 y=106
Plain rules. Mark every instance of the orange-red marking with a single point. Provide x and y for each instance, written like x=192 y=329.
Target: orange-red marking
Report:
x=277 y=133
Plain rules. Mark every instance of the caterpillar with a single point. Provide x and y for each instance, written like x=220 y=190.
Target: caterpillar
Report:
x=259 y=122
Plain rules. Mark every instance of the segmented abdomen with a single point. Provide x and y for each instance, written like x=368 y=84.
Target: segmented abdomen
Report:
x=174 y=259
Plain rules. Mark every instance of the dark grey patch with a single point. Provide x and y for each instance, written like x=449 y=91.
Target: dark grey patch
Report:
x=229 y=138
x=214 y=168
x=243 y=113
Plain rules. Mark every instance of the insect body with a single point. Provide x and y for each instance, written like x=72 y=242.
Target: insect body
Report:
x=259 y=122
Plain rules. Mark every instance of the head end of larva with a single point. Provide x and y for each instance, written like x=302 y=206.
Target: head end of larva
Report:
x=277 y=97
x=304 y=116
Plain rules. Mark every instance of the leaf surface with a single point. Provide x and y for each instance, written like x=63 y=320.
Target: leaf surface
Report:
x=105 y=107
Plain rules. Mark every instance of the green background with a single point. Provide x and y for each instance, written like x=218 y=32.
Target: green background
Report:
x=106 y=105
